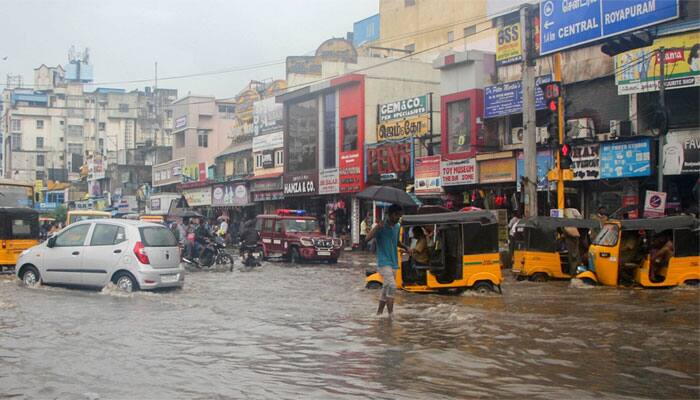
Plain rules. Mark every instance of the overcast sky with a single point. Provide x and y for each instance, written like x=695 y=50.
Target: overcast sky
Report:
x=126 y=37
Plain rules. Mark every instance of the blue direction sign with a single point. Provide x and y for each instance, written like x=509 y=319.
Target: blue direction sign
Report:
x=569 y=23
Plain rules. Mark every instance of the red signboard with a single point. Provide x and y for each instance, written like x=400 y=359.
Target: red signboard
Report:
x=389 y=162
x=428 y=175
x=350 y=172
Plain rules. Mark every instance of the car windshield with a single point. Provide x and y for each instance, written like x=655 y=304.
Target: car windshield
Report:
x=607 y=236
x=301 y=225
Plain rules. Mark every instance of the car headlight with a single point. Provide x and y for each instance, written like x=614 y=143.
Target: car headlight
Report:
x=306 y=242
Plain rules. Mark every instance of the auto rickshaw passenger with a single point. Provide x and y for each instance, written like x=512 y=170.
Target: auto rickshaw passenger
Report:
x=420 y=250
x=661 y=253
x=631 y=250
x=571 y=241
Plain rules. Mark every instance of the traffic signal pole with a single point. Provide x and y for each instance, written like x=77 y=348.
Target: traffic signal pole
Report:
x=560 y=119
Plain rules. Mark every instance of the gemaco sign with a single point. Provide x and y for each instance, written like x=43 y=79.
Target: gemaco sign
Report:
x=403 y=108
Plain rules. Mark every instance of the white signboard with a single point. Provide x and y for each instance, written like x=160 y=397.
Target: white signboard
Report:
x=328 y=181
x=268 y=141
x=459 y=172
x=654 y=204
x=586 y=161
x=198 y=197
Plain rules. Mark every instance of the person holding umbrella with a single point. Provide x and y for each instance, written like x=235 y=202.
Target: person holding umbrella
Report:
x=386 y=235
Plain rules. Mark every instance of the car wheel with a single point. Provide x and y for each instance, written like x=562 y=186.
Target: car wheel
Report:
x=125 y=282
x=373 y=285
x=31 y=277
x=294 y=256
x=483 y=287
x=333 y=261
x=539 y=277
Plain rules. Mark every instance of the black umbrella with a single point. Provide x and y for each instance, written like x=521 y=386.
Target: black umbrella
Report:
x=387 y=194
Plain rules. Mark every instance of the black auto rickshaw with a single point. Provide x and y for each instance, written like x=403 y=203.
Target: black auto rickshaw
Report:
x=462 y=253
x=19 y=230
x=546 y=247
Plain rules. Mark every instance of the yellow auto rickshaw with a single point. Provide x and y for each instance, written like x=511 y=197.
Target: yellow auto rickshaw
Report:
x=542 y=252
x=82 y=215
x=462 y=253
x=19 y=230
x=657 y=252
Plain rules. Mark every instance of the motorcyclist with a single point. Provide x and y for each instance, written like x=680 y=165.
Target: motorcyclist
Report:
x=201 y=236
x=249 y=239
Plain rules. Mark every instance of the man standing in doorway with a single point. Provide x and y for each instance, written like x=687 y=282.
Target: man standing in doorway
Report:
x=386 y=235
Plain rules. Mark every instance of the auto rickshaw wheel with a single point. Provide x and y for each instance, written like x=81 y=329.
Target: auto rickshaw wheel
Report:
x=483 y=287
x=373 y=285
x=588 y=281
x=539 y=277
x=692 y=282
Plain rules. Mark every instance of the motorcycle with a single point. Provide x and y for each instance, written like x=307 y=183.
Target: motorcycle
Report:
x=250 y=255
x=214 y=255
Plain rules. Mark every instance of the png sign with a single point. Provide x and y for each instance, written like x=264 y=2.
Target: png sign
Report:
x=427 y=180
x=389 y=162
x=459 y=172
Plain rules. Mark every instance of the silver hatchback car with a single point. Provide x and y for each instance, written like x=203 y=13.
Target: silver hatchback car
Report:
x=131 y=254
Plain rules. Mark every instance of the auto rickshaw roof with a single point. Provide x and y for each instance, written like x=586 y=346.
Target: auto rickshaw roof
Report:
x=551 y=223
x=18 y=211
x=455 y=217
x=661 y=224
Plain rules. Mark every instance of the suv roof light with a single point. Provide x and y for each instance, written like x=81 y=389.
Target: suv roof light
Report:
x=285 y=211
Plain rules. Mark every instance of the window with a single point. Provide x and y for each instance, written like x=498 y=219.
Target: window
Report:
x=470 y=30
x=157 y=237
x=180 y=139
x=101 y=126
x=168 y=113
x=202 y=138
x=75 y=130
x=279 y=158
x=16 y=125
x=39 y=124
x=450 y=36
x=278 y=227
x=75 y=148
x=301 y=225
x=39 y=142
x=39 y=175
x=22 y=228
x=16 y=144
x=458 y=126
x=74 y=236
x=267 y=225
x=123 y=107
x=409 y=3
x=607 y=235
x=410 y=48
x=350 y=133
x=302 y=123
x=107 y=235
x=227 y=111
x=259 y=160
x=101 y=145
x=39 y=160
x=329 y=145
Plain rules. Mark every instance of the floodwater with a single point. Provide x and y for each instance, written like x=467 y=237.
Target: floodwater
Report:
x=289 y=332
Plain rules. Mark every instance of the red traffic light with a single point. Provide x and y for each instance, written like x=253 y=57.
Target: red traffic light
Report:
x=552 y=105
x=565 y=150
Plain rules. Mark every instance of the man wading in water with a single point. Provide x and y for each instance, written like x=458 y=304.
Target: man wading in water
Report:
x=386 y=234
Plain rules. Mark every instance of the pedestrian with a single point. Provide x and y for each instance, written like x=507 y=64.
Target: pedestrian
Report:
x=512 y=229
x=386 y=234
x=364 y=230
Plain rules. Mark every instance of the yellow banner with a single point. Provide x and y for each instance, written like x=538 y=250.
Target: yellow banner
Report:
x=638 y=70
x=508 y=45
x=403 y=128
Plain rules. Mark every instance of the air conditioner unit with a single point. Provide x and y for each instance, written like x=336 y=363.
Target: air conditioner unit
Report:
x=620 y=128
x=581 y=128
x=542 y=134
x=517 y=134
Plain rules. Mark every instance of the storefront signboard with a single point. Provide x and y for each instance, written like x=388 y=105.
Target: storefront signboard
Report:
x=403 y=128
x=195 y=172
x=508 y=45
x=266 y=185
x=198 y=197
x=96 y=168
x=544 y=164
x=586 y=161
x=405 y=108
x=682 y=153
x=389 y=162
x=168 y=173
x=328 y=181
x=350 y=172
x=300 y=183
x=427 y=180
x=638 y=70
x=180 y=122
x=497 y=170
x=507 y=98
x=654 y=204
x=459 y=172
x=230 y=194
x=268 y=116
x=269 y=141
x=625 y=159
x=268 y=196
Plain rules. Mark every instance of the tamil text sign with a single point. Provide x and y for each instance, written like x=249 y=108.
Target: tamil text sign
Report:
x=401 y=129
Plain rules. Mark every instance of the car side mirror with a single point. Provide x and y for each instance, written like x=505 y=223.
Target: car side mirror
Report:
x=51 y=242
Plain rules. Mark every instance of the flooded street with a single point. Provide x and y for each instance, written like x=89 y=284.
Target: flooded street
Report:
x=309 y=331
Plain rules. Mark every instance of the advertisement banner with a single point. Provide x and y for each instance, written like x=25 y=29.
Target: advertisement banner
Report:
x=389 y=162
x=544 y=163
x=268 y=116
x=497 y=170
x=586 y=161
x=300 y=184
x=625 y=159
x=639 y=69
x=350 y=172
x=508 y=45
x=328 y=181
x=198 y=197
x=654 y=204
x=459 y=172
x=268 y=196
x=168 y=173
x=682 y=153
x=427 y=180
x=96 y=168
x=180 y=122
x=401 y=129
x=195 y=173
x=230 y=194
x=266 y=185
x=507 y=98
x=269 y=141
x=404 y=108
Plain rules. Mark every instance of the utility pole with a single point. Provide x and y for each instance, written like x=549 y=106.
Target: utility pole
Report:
x=664 y=125
x=155 y=105
x=529 y=185
x=560 y=118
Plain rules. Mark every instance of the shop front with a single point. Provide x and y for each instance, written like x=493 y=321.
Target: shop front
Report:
x=231 y=199
x=267 y=192
x=681 y=169
x=198 y=197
